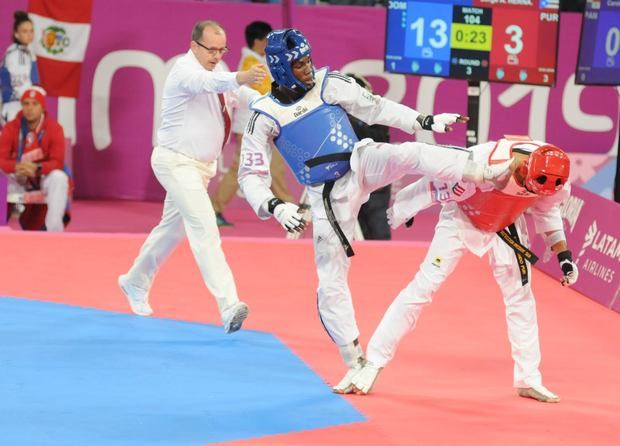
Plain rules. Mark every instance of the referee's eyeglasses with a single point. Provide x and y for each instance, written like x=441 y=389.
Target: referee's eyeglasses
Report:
x=213 y=51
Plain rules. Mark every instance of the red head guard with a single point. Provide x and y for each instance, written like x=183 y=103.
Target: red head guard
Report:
x=548 y=168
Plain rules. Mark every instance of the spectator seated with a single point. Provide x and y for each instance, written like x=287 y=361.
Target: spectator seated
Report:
x=32 y=157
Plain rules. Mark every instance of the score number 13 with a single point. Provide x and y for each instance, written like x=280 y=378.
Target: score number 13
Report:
x=439 y=40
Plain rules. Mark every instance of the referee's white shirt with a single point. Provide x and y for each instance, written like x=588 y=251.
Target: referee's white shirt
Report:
x=191 y=115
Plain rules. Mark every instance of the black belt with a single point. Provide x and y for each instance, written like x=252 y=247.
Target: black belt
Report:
x=327 y=188
x=512 y=239
x=332 y=157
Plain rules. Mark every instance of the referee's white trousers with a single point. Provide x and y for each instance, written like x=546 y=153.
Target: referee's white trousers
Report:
x=444 y=254
x=373 y=165
x=187 y=211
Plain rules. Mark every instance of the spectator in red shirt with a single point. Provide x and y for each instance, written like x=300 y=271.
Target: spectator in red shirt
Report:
x=32 y=154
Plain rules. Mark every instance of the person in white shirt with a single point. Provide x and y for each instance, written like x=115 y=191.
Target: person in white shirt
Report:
x=485 y=219
x=18 y=70
x=194 y=126
x=306 y=118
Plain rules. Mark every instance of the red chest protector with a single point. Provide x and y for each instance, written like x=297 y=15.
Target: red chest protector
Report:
x=495 y=210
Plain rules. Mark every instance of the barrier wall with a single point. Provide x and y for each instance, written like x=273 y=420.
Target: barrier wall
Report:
x=133 y=44
x=593 y=235
x=3 y=194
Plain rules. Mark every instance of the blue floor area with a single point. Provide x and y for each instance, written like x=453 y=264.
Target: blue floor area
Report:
x=84 y=377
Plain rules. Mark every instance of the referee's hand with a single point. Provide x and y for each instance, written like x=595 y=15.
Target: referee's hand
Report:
x=255 y=75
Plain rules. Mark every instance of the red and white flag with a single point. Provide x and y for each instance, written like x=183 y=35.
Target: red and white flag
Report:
x=61 y=29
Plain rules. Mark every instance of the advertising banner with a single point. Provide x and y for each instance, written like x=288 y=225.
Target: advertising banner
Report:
x=133 y=45
x=593 y=235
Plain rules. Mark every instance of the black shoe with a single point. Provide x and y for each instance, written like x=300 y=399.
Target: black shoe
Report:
x=221 y=221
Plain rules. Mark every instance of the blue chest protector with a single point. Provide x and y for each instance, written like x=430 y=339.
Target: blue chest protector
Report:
x=316 y=139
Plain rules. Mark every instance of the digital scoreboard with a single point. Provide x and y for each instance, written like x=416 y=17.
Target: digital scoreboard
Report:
x=599 y=50
x=482 y=40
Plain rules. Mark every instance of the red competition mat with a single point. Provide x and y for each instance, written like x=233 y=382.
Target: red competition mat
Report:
x=450 y=383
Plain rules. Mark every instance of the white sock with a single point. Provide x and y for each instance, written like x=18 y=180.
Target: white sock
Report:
x=473 y=172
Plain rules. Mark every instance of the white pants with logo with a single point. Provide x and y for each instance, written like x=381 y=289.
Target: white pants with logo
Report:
x=187 y=212
x=444 y=254
x=55 y=189
x=373 y=165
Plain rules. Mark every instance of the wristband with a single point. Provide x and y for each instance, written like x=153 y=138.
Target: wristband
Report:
x=565 y=255
x=426 y=122
x=273 y=203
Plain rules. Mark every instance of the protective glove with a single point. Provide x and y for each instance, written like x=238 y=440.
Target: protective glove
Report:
x=394 y=220
x=569 y=269
x=409 y=201
x=440 y=123
x=287 y=215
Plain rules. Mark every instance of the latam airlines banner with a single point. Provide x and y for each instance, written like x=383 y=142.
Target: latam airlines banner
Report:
x=134 y=43
x=593 y=234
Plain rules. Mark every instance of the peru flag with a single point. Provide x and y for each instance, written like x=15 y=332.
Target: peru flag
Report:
x=61 y=29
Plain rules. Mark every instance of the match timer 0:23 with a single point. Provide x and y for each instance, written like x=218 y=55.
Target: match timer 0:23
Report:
x=471 y=37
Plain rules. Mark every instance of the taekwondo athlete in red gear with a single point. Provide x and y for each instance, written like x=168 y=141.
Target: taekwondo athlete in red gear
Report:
x=485 y=219
x=305 y=116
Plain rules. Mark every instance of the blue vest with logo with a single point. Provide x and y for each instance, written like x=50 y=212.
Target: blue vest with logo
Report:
x=316 y=139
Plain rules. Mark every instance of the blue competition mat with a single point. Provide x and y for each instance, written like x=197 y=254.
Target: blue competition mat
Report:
x=84 y=377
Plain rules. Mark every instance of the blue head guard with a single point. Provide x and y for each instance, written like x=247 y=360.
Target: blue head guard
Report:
x=285 y=46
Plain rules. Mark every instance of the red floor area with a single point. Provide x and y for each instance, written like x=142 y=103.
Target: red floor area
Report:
x=450 y=383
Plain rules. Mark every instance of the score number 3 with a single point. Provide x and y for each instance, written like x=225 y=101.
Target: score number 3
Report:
x=516 y=37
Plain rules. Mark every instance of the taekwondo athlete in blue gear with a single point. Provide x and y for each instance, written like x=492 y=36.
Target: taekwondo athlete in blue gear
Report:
x=328 y=157
x=305 y=117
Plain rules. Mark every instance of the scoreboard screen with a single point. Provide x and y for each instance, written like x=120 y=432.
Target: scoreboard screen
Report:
x=482 y=40
x=599 y=51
